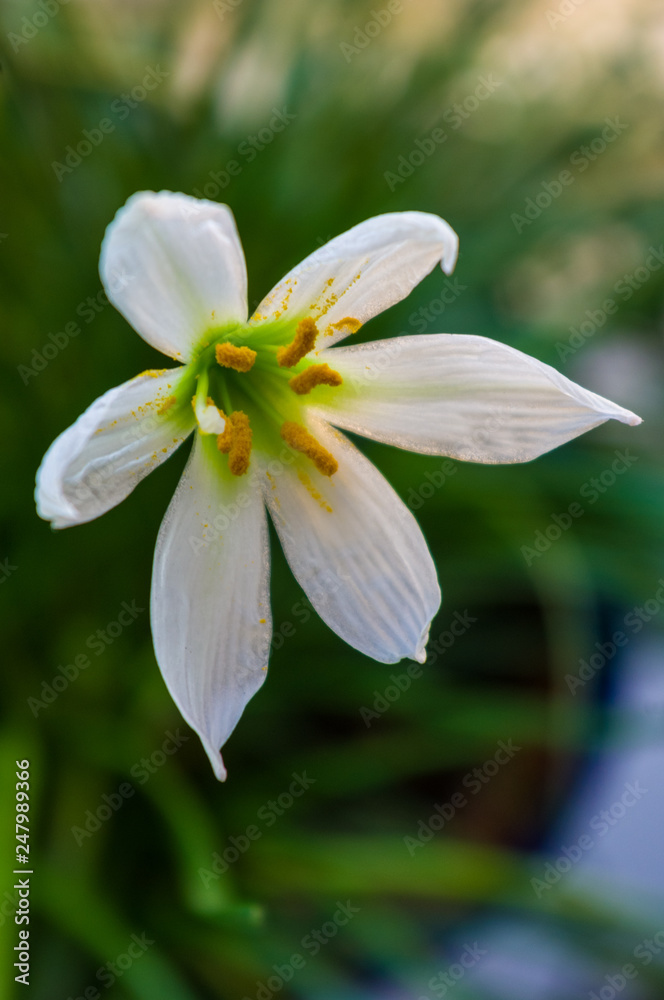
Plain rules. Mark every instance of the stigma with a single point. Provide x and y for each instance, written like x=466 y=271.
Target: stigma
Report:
x=209 y=418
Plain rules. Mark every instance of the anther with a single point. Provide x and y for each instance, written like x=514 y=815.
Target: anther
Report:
x=300 y=439
x=225 y=439
x=312 y=376
x=235 y=441
x=240 y=359
x=303 y=342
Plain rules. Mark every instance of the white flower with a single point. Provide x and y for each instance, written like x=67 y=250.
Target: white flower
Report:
x=267 y=395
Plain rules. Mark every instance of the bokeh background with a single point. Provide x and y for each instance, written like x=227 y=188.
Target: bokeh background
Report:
x=573 y=277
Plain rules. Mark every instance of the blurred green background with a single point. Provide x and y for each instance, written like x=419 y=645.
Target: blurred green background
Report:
x=533 y=84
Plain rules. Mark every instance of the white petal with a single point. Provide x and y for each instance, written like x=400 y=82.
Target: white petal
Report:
x=468 y=397
x=210 y=602
x=174 y=267
x=356 y=550
x=120 y=438
x=362 y=272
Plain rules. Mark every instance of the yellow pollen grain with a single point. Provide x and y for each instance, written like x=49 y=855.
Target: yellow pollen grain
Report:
x=312 y=376
x=308 y=485
x=284 y=302
x=240 y=359
x=301 y=440
x=167 y=404
x=303 y=342
x=240 y=450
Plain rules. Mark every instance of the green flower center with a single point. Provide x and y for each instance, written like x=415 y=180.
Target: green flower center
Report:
x=255 y=396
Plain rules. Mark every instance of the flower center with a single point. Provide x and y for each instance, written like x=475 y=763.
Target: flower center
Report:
x=256 y=396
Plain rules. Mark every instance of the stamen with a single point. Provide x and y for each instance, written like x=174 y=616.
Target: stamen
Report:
x=301 y=440
x=225 y=439
x=312 y=376
x=236 y=442
x=303 y=342
x=240 y=359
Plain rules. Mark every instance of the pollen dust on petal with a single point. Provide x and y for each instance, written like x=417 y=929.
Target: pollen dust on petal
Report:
x=271 y=480
x=299 y=438
x=322 y=307
x=303 y=342
x=284 y=302
x=312 y=376
x=167 y=404
x=308 y=485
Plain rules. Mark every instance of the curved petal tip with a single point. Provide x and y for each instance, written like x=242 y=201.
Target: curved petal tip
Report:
x=215 y=758
x=451 y=251
x=421 y=651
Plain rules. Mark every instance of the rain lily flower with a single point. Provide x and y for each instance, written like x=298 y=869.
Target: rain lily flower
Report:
x=266 y=397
